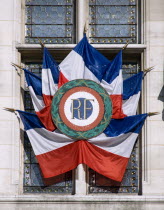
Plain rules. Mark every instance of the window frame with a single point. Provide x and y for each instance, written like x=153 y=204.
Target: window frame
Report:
x=27 y=49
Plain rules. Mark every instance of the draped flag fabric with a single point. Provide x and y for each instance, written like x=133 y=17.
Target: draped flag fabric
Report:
x=131 y=93
x=50 y=77
x=109 y=152
x=43 y=89
x=83 y=61
x=112 y=81
x=34 y=84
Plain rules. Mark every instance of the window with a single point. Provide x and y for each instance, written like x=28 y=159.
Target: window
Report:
x=33 y=182
x=130 y=182
x=113 y=21
x=53 y=21
x=110 y=21
x=64 y=183
x=50 y=20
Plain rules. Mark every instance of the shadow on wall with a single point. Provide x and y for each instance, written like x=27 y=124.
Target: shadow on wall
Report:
x=161 y=98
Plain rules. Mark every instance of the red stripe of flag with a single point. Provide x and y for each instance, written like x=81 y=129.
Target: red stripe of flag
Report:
x=46 y=118
x=117 y=112
x=62 y=80
x=70 y=156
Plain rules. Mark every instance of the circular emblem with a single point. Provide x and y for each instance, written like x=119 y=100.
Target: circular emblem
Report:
x=81 y=109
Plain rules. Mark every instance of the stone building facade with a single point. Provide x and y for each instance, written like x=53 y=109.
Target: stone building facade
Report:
x=150 y=51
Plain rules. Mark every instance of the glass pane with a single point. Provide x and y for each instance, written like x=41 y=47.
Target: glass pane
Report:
x=51 y=21
x=112 y=2
x=114 y=14
x=48 y=2
x=129 y=184
x=111 y=31
x=50 y=31
x=113 y=21
x=49 y=15
x=129 y=69
x=33 y=181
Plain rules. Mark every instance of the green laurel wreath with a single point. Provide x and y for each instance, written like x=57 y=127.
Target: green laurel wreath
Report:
x=79 y=135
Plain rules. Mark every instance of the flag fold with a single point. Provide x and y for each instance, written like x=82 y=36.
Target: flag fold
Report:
x=57 y=153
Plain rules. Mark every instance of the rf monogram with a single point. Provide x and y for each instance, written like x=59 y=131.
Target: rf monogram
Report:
x=78 y=108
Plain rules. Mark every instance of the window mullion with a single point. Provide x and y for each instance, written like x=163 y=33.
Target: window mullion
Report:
x=82 y=17
x=80 y=180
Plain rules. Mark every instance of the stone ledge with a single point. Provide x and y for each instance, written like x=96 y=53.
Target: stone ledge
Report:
x=60 y=51
x=79 y=199
x=22 y=47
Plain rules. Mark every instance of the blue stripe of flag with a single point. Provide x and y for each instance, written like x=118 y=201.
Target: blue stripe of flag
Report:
x=132 y=85
x=30 y=120
x=34 y=81
x=50 y=63
x=115 y=128
x=125 y=125
x=113 y=68
x=93 y=60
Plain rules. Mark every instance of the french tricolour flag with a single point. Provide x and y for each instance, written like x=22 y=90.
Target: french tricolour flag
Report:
x=113 y=83
x=131 y=93
x=34 y=84
x=50 y=77
x=108 y=153
x=43 y=89
x=83 y=62
x=43 y=111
